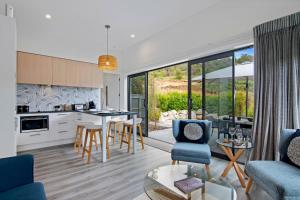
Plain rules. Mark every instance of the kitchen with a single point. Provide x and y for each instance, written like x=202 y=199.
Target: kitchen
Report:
x=48 y=98
x=54 y=95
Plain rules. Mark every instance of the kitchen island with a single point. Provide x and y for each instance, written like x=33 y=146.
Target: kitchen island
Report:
x=59 y=127
x=105 y=115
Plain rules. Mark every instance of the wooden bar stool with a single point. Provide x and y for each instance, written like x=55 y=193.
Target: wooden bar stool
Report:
x=128 y=124
x=117 y=124
x=91 y=130
x=79 y=133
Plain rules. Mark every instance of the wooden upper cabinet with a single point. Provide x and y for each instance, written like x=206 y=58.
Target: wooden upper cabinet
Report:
x=97 y=76
x=59 y=67
x=34 y=69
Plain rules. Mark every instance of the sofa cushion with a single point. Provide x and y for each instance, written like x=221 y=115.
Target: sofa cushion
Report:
x=293 y=151
x=284 y=154
x=33 y=191
x=279 y=179
x=191 y=152
x=187 y=132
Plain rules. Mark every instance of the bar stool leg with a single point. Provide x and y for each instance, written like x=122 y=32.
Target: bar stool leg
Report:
x=115 y=133
x=119 y=132
x=91 y=145
x=85 y=141
x=107 y=148
x=78 y=138
x=77 y=132
x=109 y=129
x=95 y=141
x=107 y=144
x=141 y=135
x=100 y=140
x=129 y=138
x=122 y=138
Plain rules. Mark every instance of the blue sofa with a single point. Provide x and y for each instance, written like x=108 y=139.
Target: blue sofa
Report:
x=279 y=179
x=191 y=152
x=16 y=179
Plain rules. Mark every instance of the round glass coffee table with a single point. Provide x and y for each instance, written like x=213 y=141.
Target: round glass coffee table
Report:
x=159 y=184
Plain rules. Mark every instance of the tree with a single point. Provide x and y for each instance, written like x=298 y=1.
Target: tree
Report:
x=244 y=58
x=138 y=85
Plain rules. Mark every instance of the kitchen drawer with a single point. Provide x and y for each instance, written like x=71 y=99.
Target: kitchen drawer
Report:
x=63 y=134
x=31 y=138
x=62 y=126
x=61 y=117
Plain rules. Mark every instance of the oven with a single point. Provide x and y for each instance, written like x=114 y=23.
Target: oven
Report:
x=34 y=123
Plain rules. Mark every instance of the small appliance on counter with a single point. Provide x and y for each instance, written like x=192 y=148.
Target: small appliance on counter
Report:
x=67 y=107
x=77 y=106
x=59 y=108
x=22 y=109
x=92 y=105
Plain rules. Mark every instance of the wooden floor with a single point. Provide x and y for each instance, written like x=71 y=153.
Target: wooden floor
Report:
x=66 y=176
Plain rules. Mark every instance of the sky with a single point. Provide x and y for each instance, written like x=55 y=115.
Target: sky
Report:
x=249 y=51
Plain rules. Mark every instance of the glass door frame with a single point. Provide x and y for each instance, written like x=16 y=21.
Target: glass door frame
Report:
x=203 y=61
x=145 y=131
x=189 y=63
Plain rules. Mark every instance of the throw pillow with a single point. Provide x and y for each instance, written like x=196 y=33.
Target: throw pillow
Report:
x=293 y=150
x=193 y=132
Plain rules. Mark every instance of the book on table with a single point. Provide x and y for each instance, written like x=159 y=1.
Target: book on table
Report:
x=189 y=184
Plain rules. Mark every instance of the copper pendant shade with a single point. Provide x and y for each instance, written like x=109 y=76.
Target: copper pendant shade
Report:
x=107 y=62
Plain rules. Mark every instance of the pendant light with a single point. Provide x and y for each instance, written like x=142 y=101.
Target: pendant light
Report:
x=107 y=62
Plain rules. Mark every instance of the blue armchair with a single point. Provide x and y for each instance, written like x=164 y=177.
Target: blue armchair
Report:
x=191 y=152
x=279 y=179
x=16 y=179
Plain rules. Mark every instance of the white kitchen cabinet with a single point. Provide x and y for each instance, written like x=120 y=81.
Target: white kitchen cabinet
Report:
x=28 y=138
x=62 y=125
x=62 y=130
x=33 y=137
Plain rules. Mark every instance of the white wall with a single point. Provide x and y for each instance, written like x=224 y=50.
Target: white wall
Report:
x=220 y=27
x=225 y=26
x=7 y=85
x=111 y=80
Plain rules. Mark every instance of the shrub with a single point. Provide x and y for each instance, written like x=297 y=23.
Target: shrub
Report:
x=214 y=104
x=172 y=101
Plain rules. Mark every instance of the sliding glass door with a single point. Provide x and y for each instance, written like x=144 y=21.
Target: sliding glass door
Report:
x=167 y=100
x=211 y=94
x=218 y=88
x=137 y=101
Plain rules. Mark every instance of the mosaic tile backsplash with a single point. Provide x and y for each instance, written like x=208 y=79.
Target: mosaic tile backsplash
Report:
x=44 y=98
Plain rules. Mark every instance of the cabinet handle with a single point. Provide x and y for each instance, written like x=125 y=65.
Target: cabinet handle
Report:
x=62 y=122
x=35 y=135
x=63 y=131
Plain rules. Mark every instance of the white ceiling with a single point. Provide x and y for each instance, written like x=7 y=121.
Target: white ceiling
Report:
x=224 y=26
x=76 y=29
x=165 y=30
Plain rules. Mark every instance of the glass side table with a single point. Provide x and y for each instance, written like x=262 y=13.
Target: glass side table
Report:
x=229 y=149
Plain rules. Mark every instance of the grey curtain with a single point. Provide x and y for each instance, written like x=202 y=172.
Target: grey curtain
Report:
x=277 y=78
